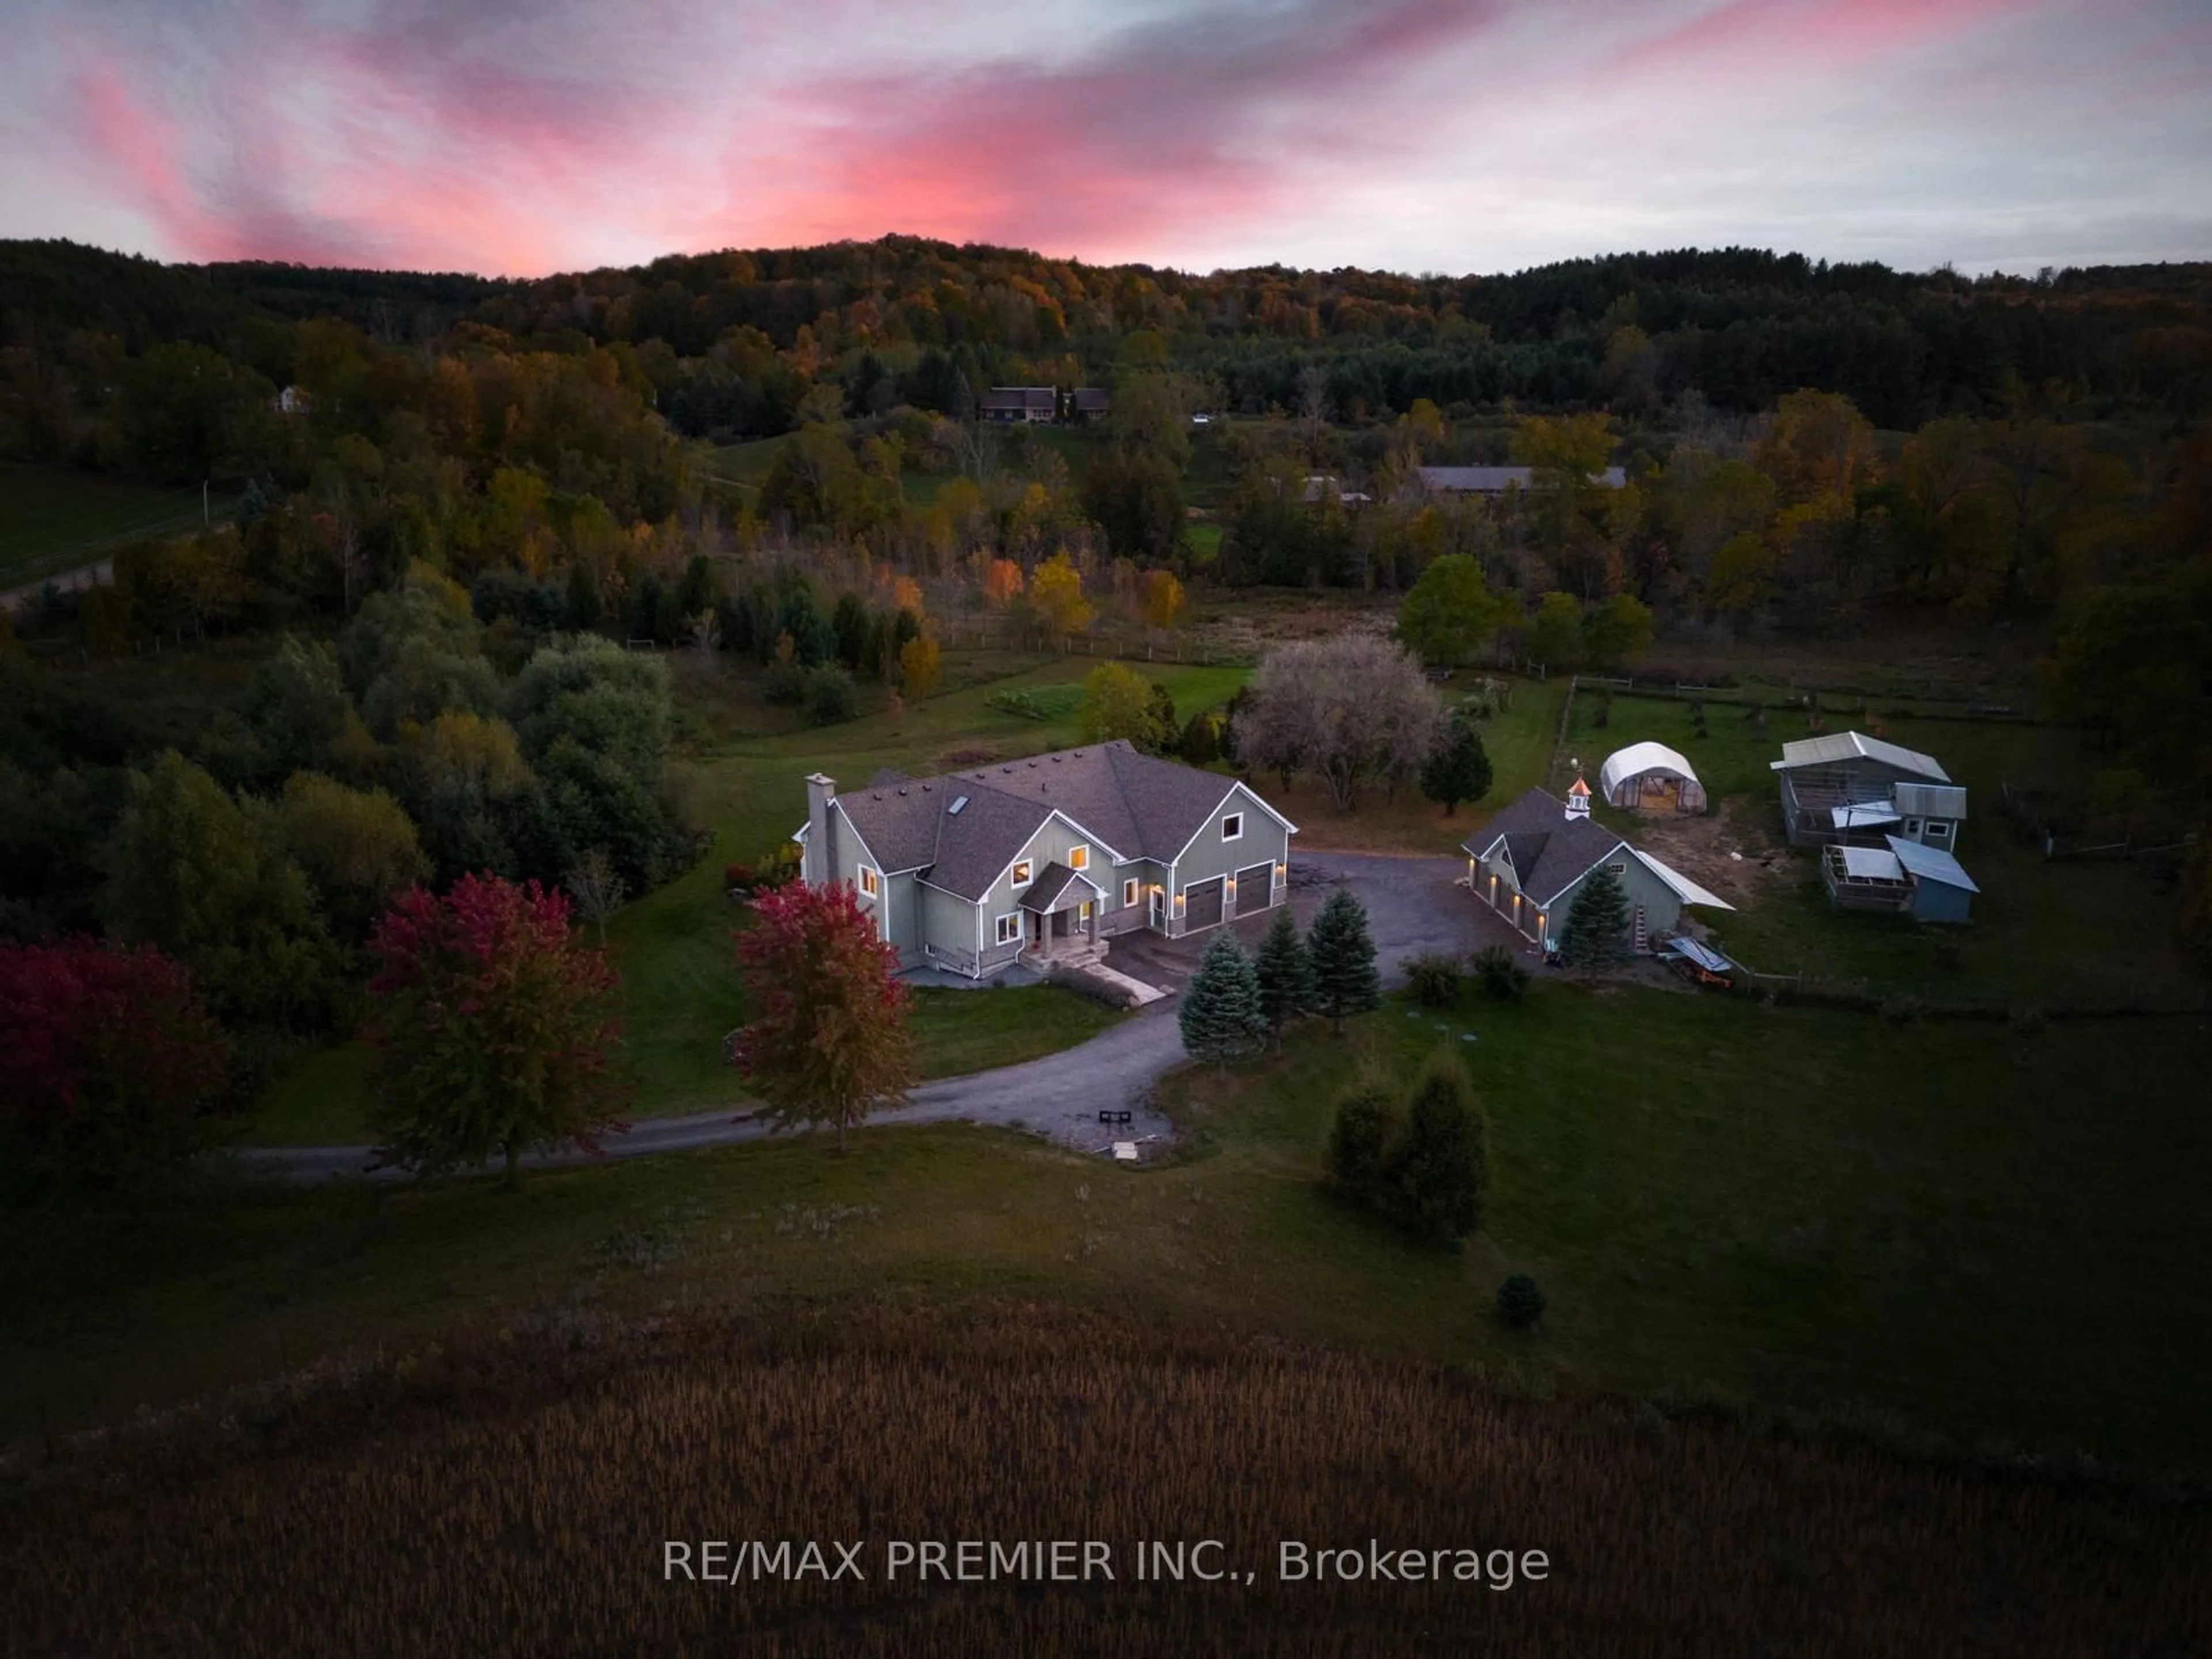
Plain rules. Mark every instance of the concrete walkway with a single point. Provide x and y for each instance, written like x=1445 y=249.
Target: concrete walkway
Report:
x=1412 y=907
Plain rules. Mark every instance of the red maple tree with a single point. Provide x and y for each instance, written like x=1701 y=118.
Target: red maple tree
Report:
x=829 y=1039
x=111 y=1067
x=494 y=1026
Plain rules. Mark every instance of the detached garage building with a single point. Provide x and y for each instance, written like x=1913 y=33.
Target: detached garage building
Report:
x=1530 y=862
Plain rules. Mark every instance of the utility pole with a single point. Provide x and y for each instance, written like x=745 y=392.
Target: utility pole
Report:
x=204 y=519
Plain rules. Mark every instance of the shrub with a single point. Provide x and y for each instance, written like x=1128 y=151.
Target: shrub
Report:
x=775 y=867
x=1503 y=979
x=785 y=683
x=1520 y=1301
x=738 y=878
x=1434 y=979
x=830 y=695
x=1367 y=1121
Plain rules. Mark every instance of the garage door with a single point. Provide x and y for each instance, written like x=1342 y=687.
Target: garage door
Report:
x=1201 y=904
x=1255 y=885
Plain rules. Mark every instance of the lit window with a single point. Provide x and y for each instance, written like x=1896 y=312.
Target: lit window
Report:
x=870 y=882
x=1010 y=928
x=1232 y=827
x=1129 y=890
x=1022 y=873
x=1078 y=858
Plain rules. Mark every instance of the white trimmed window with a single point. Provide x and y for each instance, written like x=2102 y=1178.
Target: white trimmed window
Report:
x=871 y=883
x=1010 y=927
x=1078 y=858
x=1024 y=870
x=1129 y=891
x=1618 y=869
x=1232 y=827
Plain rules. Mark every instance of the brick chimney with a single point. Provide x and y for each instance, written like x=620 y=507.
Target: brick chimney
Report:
x=820 y=863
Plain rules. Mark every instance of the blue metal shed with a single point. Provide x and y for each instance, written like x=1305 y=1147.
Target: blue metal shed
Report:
x=1941 y=890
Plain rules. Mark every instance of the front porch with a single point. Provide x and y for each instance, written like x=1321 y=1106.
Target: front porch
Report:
x=1059 y=920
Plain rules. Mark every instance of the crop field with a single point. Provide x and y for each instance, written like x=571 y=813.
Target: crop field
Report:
x=53 y=520
x=520 y=1498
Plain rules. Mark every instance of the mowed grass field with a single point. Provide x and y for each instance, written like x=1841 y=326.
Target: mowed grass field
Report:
x=1951 y=1226
x=53 y=520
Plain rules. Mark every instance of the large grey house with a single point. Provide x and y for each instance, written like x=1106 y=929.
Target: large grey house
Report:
x=1043 y=860
x=1847 y=788
x=1531 y=858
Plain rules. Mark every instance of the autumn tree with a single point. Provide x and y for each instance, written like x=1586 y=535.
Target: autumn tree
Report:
x=1160 y=598
x=112 y=1071
x=1002 y=580
x=495 y=1033
x=829 y=1040
x=1056 y=591
x=1120 y=702
x=921 y=667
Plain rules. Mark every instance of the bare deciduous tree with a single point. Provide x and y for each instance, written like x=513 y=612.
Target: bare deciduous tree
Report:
x=1356 y=709
x=597 y=887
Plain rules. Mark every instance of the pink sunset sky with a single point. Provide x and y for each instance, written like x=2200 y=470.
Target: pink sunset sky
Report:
x=521 y=137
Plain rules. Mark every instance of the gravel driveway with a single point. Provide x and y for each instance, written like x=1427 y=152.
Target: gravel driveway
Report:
x=1412 y=907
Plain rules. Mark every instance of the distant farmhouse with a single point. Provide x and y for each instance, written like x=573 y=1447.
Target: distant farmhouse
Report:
x=1530 y=862
x=1496 y=480
x=1886 y=818
x=1037 y=405
x=1087 y=402
x=1041 y=861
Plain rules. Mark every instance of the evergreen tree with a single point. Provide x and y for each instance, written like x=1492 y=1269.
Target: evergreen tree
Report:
x=1286 y=975
x=1221 y=1016
x=1459 y=770
x=1343 y=959
x=1597 y=924
x=1201 y=740
x=1367 y=1121
x=855 y=630
x=1438 y=1171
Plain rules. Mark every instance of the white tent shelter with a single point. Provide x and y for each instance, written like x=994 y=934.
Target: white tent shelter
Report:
x=1651 y=775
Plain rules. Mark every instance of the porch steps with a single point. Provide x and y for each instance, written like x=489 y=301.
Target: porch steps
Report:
x=1093 y=978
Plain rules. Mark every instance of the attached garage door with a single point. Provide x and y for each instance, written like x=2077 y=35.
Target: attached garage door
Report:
x=1201 y=904
x=1255 y=885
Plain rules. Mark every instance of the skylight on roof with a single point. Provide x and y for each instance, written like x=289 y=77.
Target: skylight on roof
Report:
x=953 y=810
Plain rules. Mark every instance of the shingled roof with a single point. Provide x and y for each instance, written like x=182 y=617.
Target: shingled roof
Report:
x=1549 y=850
x=1135 y=806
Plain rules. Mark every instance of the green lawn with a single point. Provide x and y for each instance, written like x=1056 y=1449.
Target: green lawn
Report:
x=53 y=520
x=1996 y=1236
x=322 y=1100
